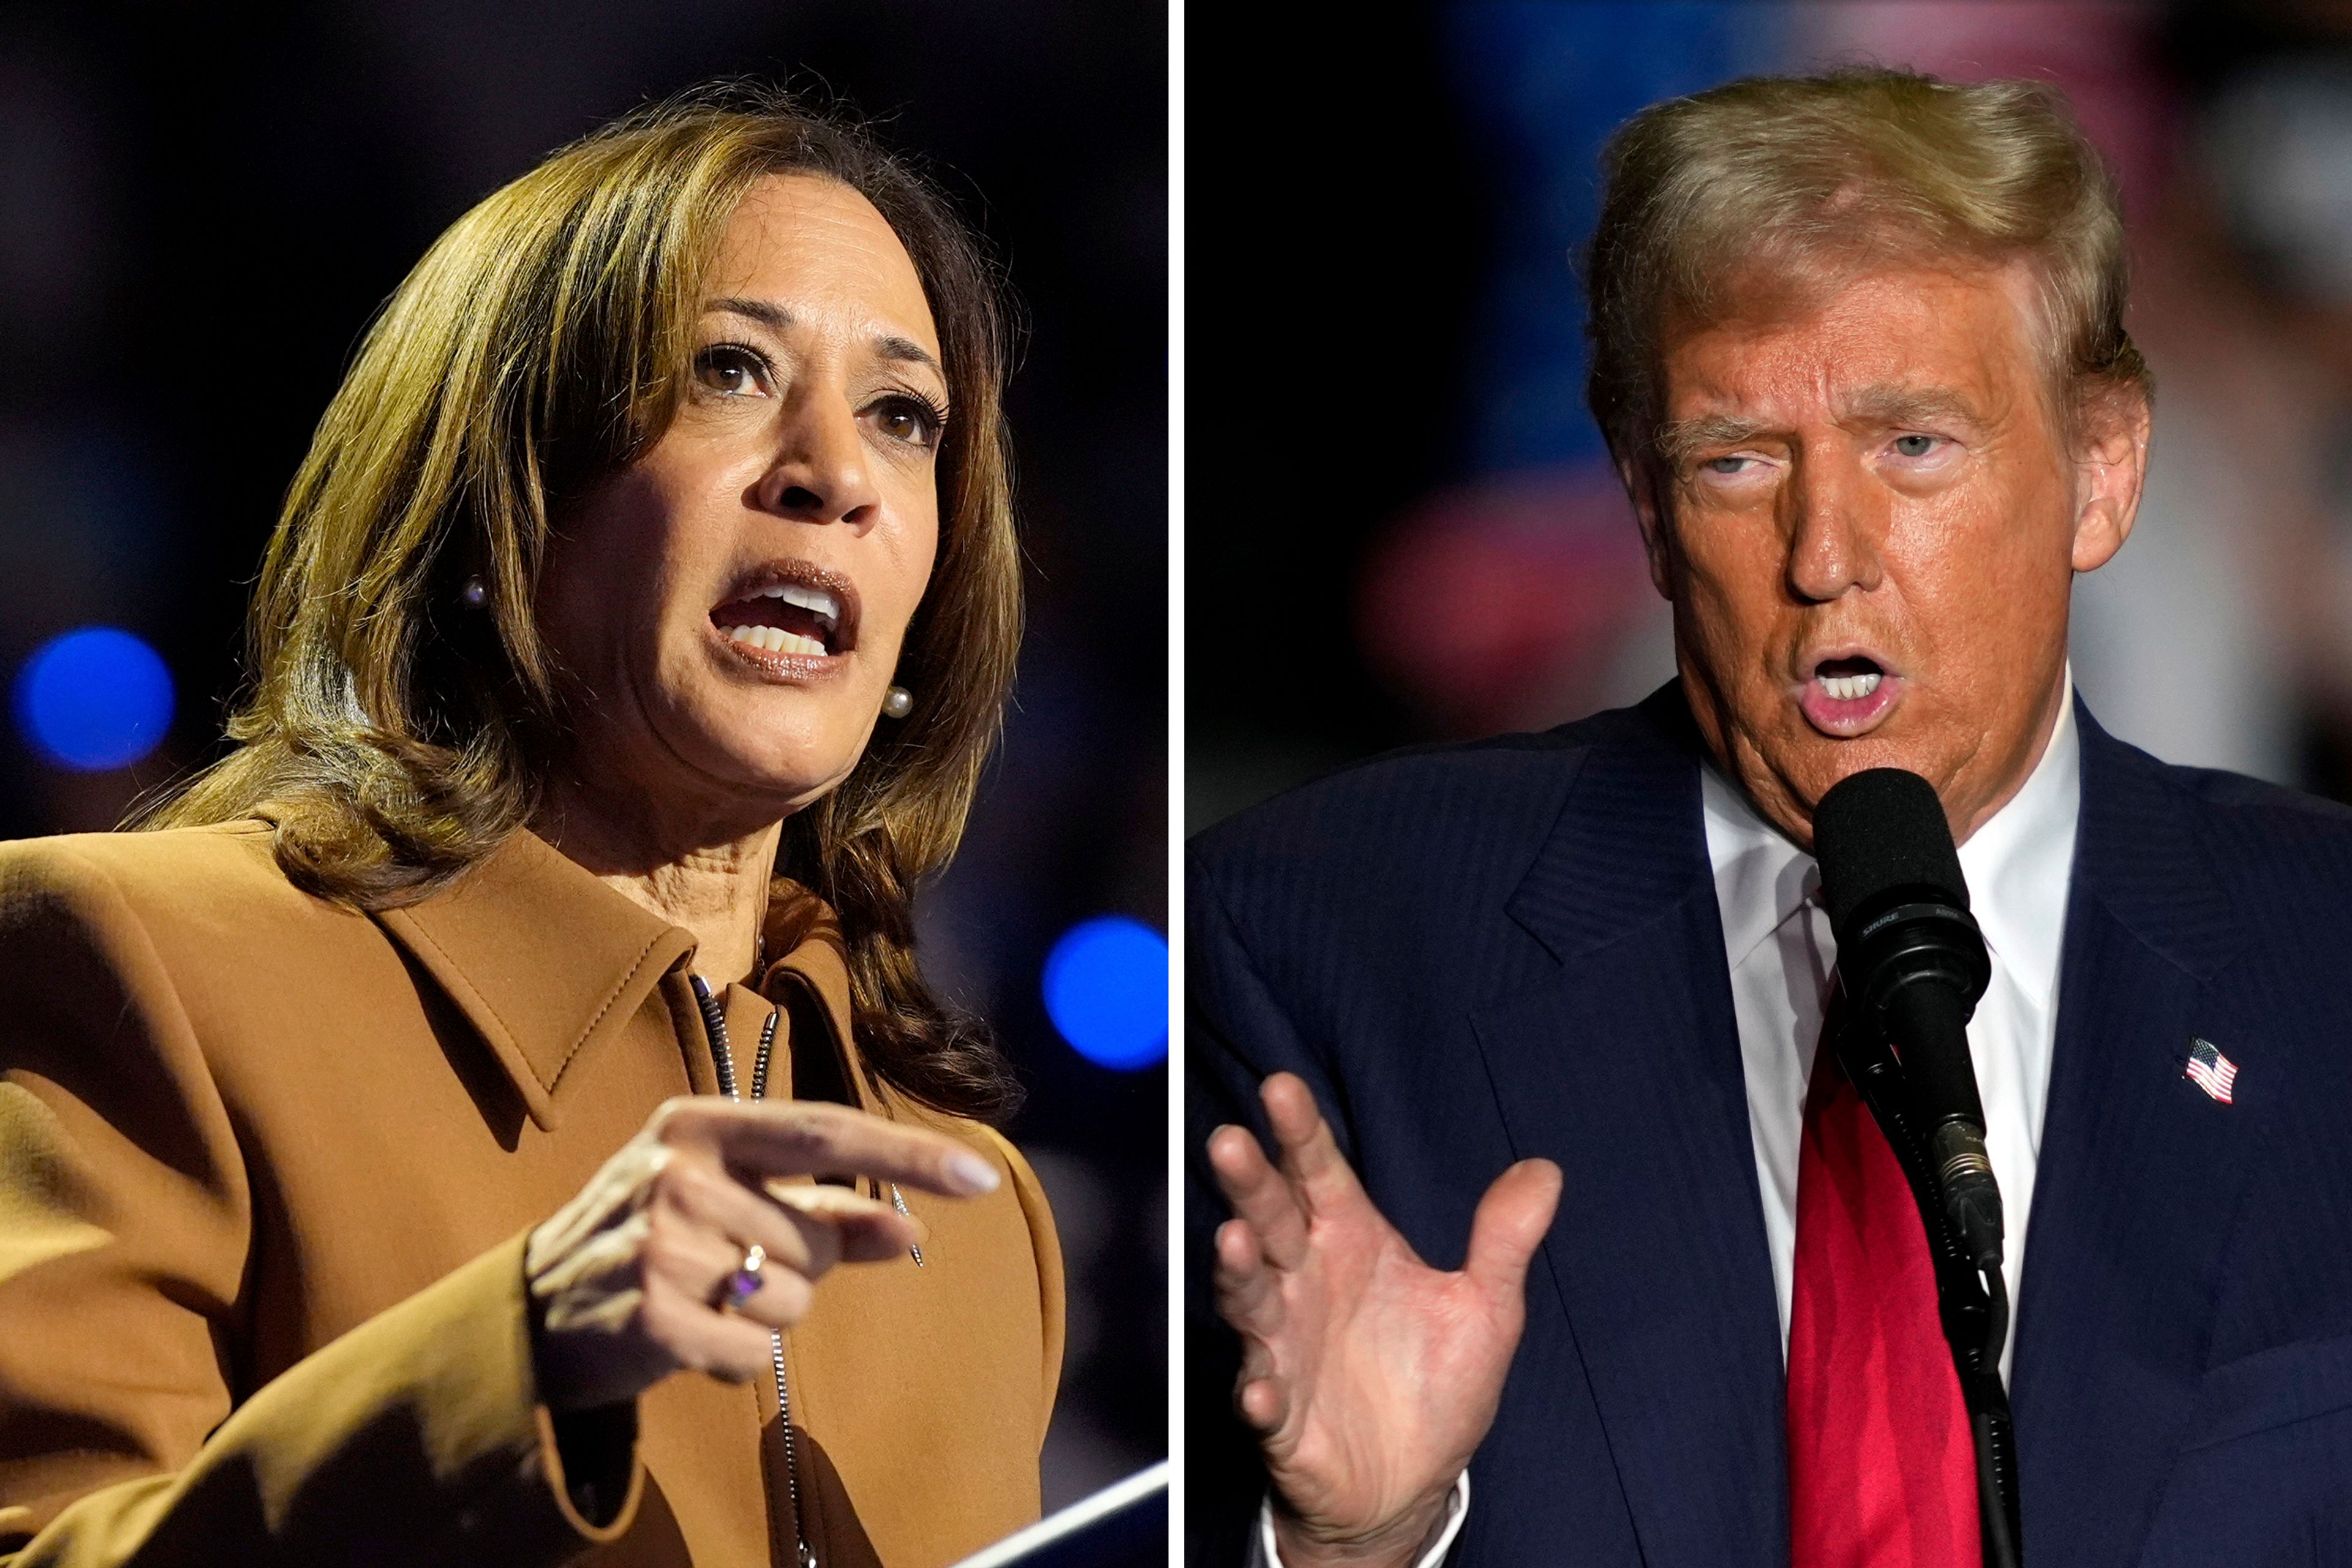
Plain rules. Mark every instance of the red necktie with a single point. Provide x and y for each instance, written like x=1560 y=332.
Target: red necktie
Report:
x=1882 y=1468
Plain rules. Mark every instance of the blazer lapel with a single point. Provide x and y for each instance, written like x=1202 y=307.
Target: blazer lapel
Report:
x=542 y=957
x=1626 y=1072
x=2139 y=1170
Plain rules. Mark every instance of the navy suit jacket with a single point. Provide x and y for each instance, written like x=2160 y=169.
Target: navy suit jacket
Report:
x=1480 y=953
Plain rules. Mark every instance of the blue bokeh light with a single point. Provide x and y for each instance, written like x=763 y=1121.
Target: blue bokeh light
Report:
x=93 y=698
x=1107 y=991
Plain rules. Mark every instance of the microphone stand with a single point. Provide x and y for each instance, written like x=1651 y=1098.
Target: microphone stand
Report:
x=1973 y=1306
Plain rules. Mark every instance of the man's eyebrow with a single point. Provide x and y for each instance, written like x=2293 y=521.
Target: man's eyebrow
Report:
x=1890 y=405
x=1678 y=441
x=775 y=318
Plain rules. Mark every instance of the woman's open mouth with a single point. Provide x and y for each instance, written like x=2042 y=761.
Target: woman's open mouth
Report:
x=1849 y=696
x=792 y=618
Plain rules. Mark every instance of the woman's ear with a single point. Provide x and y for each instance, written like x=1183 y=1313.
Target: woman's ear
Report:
x=2110 y=468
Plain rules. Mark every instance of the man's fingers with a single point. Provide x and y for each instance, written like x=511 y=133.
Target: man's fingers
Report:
x=1259 y=1196
x=1510 y=1225
x=1261 y=1403
x=770 y=1138
x=1247 y=1296
x=1310 y=1155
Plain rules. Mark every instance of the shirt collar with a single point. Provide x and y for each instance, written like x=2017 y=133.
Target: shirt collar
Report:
x=2017 y=864
x=544 y=960
x=1760 y=877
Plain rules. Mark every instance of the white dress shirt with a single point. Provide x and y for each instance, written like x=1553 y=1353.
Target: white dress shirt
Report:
x=1776 y=941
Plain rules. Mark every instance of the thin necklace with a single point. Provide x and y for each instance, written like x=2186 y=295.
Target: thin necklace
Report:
x=759 y=938
x=759 y=977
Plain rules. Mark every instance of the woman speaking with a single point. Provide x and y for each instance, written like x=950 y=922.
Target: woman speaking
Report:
x=420 y=1146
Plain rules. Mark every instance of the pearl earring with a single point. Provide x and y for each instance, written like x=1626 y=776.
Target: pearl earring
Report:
x=474 y=594
x=897 y=702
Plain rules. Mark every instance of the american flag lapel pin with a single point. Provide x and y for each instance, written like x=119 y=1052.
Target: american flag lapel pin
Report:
x=2210 y=1070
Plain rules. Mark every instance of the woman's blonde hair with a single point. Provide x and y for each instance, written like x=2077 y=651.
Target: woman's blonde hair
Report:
x=397 y=738
x=1807 y=179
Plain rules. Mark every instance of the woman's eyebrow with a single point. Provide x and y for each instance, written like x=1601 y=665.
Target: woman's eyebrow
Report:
x=907 y=350
x=775 y=318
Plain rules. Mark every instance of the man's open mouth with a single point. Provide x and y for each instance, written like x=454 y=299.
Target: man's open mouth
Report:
x=793 y=615
x=1849 y=695
x=1848 y=679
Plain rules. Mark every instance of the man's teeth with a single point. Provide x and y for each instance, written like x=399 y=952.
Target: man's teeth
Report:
x=822 y=602
x=776 y=640
x=1850 y=688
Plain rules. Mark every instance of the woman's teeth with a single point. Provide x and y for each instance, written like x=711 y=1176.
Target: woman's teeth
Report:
x=776 y=640
x=1850 y=688
x=822 y=602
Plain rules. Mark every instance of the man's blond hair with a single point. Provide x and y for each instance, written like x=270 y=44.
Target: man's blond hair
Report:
x=1779 y=183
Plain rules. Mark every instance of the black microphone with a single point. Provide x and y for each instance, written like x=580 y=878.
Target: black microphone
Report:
x=1914 y=965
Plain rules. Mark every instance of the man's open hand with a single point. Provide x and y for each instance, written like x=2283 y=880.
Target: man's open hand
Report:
x=1369 y=1375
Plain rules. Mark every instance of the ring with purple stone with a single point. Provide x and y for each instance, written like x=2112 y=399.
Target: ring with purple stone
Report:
x=744 y=1283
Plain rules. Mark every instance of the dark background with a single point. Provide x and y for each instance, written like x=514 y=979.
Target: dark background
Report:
x=201 y=207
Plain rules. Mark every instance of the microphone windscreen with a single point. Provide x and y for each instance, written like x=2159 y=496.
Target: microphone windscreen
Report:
x=1879 y=831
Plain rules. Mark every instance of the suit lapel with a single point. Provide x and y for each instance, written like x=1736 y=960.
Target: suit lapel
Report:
x=2138 y=1174
x=1626 y=1072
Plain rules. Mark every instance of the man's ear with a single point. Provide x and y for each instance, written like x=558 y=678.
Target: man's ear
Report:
x=1646 y=485
x=2110 y=468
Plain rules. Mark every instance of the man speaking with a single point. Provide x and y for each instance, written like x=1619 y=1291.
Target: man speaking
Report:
x=1583 y=1207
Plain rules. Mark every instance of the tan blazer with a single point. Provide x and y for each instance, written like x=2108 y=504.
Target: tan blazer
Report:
x=265 y=1170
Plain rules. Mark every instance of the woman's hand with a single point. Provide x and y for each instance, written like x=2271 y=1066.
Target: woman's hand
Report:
x=1369 y=1375
x=628 y=1281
